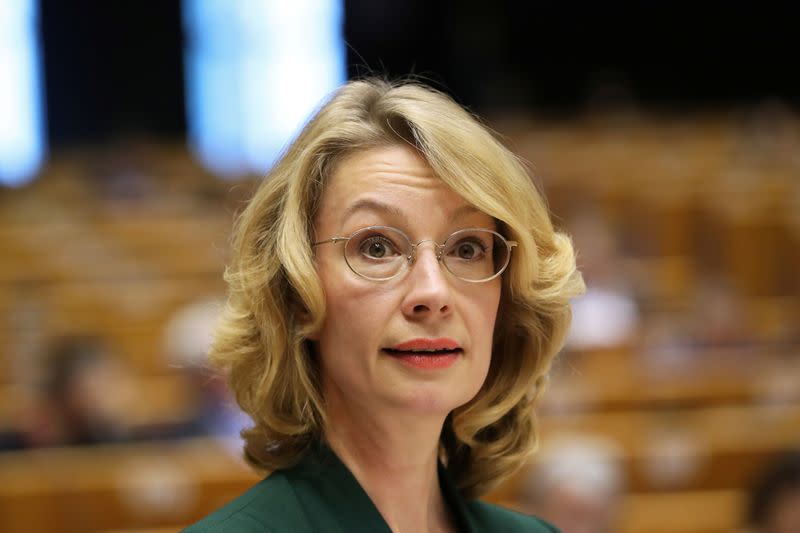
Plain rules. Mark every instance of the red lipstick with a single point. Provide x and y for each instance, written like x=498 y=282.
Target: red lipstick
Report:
x=428 y=345
x=426 y=353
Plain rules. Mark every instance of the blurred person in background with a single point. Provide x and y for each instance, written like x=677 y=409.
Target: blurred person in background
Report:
x=380 y=332
x=576 y=484
x=774 y=505
x=606 y=316
x=85 y=397
x=187 y=339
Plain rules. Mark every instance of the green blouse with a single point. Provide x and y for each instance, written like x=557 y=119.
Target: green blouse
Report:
x=320 y=494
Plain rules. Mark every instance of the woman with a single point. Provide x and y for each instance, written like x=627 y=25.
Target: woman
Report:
x=397 y=294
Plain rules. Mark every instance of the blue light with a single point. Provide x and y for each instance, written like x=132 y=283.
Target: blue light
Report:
x=21 y=130
x=255 y=71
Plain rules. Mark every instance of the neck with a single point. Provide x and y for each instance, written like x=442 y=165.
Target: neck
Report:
x=395 y=459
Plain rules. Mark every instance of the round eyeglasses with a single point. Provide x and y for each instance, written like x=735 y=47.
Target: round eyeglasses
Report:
x=380 y=253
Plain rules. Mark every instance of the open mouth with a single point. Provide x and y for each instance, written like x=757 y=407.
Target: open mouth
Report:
x=426 y=358
x=433 y=352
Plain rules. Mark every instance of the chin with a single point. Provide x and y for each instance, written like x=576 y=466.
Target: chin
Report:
x=433 y=401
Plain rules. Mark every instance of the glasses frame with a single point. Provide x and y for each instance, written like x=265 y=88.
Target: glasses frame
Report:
x=412 y=255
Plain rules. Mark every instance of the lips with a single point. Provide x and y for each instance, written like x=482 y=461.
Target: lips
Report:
x=422 y=346
x=428 y=355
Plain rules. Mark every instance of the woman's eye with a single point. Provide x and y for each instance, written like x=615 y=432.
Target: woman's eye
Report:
x=469 y=250
x=377 y=247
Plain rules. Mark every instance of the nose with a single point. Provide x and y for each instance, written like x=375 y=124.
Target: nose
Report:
x=429 y=294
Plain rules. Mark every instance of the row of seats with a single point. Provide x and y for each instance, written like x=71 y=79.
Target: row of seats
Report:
x=157 y=485
x=693 y=422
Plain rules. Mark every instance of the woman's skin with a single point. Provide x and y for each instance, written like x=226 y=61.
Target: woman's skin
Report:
x=385 y=416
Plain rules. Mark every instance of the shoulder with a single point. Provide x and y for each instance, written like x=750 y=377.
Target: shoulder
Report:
x=269 y=506
x=490 y=517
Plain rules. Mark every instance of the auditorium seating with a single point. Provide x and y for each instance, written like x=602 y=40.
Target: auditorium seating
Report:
x=690 y=199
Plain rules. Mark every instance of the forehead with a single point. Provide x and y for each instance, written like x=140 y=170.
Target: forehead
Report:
x=390 y=167
x=395 y=180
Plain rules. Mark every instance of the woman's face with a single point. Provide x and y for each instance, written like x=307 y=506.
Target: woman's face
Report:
x=425 y=306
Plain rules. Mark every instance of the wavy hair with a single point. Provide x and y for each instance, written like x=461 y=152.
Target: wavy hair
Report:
x=276 y=300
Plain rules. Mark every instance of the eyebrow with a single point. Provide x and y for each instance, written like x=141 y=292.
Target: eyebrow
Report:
x=463 y=211
x=368 y=204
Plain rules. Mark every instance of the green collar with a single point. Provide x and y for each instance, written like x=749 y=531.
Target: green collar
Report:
x=325 y=485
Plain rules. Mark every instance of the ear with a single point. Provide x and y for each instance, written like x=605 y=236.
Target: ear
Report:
x=301 y=316
x=303 y=320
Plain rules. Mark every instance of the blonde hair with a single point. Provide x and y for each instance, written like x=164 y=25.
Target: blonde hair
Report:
x=276 y=300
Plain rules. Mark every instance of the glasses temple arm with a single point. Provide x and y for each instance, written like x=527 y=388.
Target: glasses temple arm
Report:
x=332 y=239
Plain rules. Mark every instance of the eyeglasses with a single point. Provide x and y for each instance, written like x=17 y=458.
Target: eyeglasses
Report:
x=380 y=253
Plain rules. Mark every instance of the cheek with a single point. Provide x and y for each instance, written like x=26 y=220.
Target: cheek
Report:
x=355 y=317
x=486 y=305
x=483 y=321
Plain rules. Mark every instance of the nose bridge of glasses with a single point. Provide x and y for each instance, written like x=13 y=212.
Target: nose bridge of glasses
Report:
x=437 y=249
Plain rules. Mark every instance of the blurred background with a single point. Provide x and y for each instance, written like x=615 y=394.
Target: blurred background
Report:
x=666 y=138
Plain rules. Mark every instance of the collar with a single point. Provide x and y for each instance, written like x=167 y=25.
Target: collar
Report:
x=323 y=481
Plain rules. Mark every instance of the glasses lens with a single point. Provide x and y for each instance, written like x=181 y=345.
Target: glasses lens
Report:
x=475 y=254
x=377 y=252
